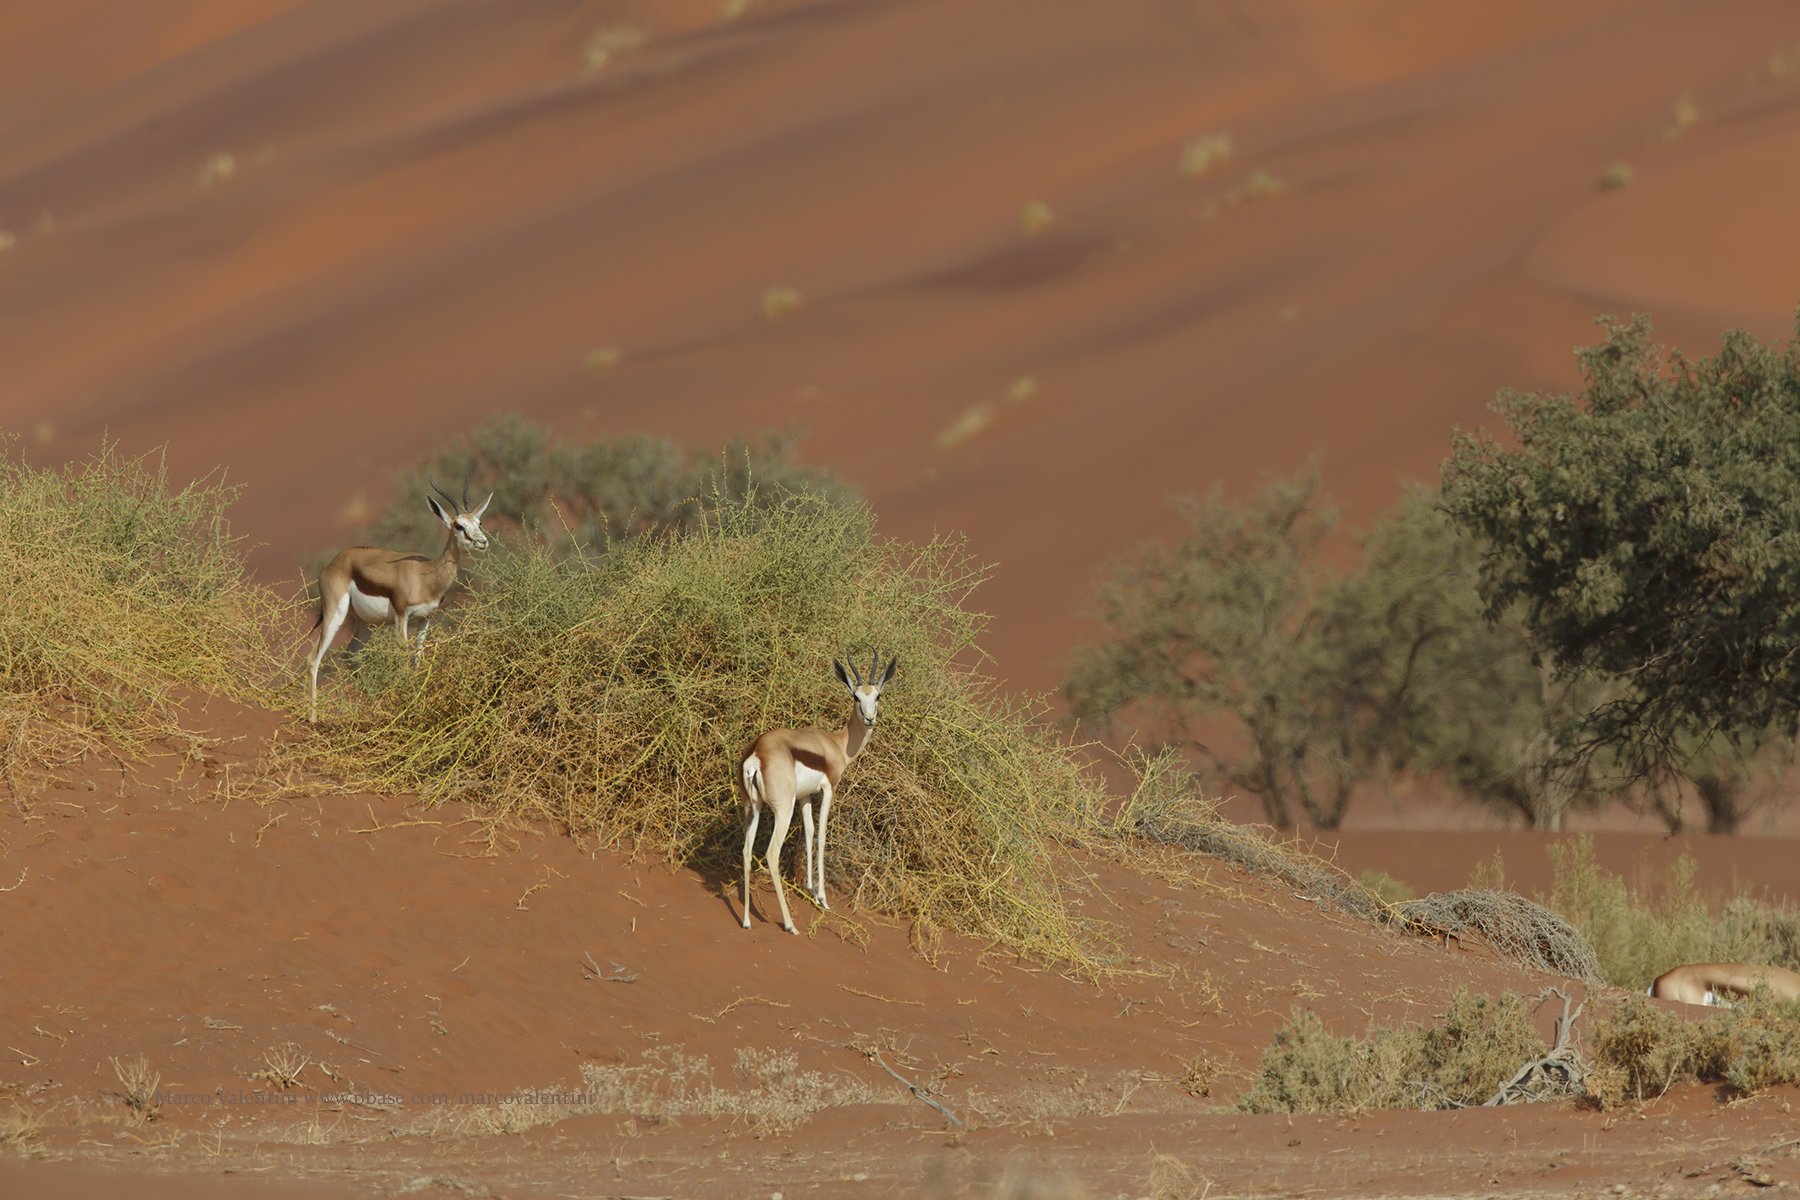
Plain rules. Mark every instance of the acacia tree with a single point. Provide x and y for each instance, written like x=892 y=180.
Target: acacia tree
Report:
x=1649 y=535
x=1331 y=679
x=1466 y=701
x=1219 y=623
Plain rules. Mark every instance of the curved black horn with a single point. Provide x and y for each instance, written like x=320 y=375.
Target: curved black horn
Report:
x=851 y=663
x=442 y=492
x=875 y=668
x=465 y=503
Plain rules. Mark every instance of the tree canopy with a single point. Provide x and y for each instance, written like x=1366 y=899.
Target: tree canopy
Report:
x=1649 y=530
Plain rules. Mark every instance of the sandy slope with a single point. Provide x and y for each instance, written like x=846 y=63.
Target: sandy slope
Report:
x=435 y=212
x=160 y=912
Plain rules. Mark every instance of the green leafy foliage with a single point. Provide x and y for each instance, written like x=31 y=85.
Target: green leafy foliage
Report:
x=1651 y=531
x=586 y=495
x=1332 y=678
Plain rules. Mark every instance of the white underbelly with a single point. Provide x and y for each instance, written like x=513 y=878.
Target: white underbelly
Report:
x=371 y=610
x=378 y=610
x=808 y=782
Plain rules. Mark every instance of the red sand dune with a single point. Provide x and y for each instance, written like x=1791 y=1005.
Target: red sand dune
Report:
x=435 y=212
x=306 y=241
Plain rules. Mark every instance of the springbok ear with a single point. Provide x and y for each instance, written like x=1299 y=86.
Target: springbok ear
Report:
x=438 y=509
x=888 y=675
x=842 y=677
x=477 y=513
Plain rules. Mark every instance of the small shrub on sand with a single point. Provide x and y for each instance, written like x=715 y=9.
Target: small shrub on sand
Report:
x=1641 y=1049
x=1203 y=153
x=19 y=1125
x=140 y=1084
x=612 y=696
x=119 y=589
x=1480 y=1044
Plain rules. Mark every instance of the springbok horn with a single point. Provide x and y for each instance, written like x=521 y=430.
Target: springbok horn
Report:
x=875 y=668
x=465 y=503
x=851 y=663
x=443 y=493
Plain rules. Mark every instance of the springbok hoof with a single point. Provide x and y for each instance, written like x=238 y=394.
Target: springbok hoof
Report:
x=791 y=930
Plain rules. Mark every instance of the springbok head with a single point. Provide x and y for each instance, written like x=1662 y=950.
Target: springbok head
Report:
x=462 y=522
x=865 y=694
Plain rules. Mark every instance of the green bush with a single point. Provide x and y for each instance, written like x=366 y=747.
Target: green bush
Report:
x=580 y=496
x=1480 y=1044
x=1640 y=1049
x=614 y=695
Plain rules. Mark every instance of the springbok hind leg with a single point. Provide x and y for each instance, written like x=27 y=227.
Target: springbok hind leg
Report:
x=751 y=819
x=783 y=816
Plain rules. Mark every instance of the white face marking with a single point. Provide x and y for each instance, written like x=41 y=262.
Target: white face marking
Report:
x=866 y=698
x=469 y=532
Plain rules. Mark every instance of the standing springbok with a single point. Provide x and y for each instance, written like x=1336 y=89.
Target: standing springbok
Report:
x=371 y=586
x=785 y=766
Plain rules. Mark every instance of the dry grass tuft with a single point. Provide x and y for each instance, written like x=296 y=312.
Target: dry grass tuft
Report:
x=140 y=1085
x=1034 y=218
x=1203 y=153
x=120 y=590
x=609 y=43
x=18 y=1126
x=779 y=301
x=282 y=1066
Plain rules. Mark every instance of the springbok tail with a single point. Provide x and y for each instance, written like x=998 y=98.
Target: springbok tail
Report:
x=753 y=779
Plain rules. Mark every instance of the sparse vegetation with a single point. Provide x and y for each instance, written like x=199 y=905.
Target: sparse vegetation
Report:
x=1203 y=153
x=779 y=301
x=282 y=1066
x=1682 y=117
x=1617 y=175
x=608 y=43
x=1641 y=1050
x=1479 y=1045
x=1034 y=218
x=120 y=591
x=775 y=1095
x=1640 y=932
x=140 y=1084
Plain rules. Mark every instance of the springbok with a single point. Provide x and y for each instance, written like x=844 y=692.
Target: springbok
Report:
x=784 y=766
x=371 y=586
x=1718 y=984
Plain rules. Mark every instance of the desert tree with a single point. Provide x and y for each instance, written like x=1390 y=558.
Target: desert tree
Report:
x=579 y=495
x=1647 y=532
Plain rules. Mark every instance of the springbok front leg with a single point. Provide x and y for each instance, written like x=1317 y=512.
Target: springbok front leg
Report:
x=824 y=816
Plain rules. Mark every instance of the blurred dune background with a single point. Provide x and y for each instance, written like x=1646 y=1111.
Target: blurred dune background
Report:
x=1023 y=270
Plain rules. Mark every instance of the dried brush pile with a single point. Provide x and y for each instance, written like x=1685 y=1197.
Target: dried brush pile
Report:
x=1517 y=929
x=613 y=695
